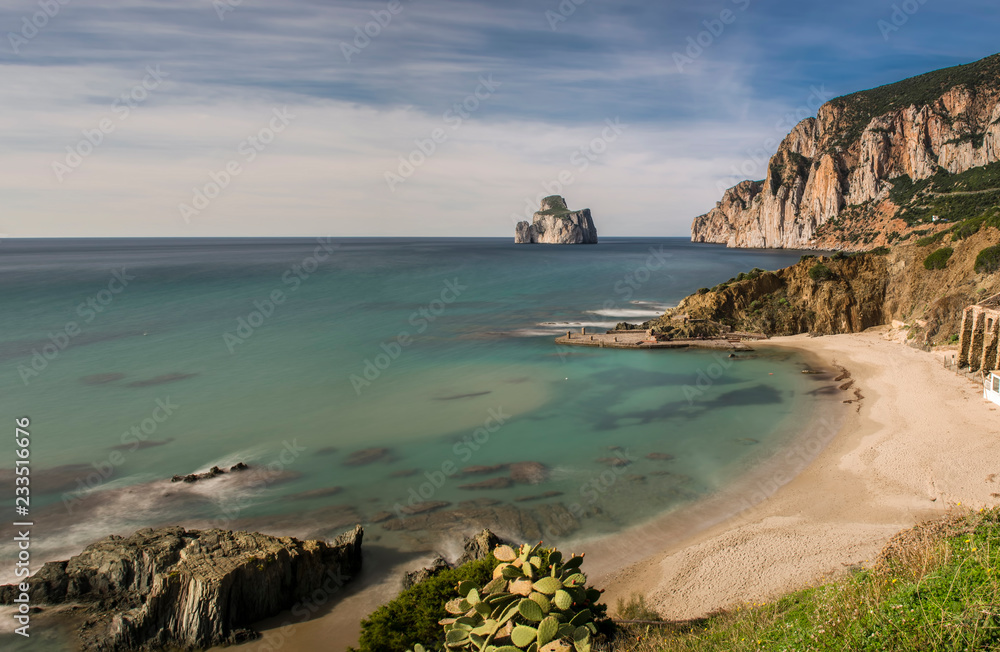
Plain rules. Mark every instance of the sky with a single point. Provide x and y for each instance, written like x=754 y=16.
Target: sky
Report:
x=191 y=118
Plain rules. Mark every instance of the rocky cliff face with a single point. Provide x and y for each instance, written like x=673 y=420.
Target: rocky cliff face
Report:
x=554 y=223
x=175 y=588
x=848 y=155
x=853 y=293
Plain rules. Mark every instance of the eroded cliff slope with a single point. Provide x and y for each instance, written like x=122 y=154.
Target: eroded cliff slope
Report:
x=849 y=293
x=830 y=183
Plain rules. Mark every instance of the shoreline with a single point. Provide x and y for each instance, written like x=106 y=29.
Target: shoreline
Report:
x=882 y=472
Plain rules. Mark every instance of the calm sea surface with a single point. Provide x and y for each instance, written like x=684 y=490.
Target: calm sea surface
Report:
x=364 y=376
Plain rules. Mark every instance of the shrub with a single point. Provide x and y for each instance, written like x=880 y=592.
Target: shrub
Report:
x=988 y=260
x=840 y=255
x=880 y=251
x=413 y=616
x=938 y=259
x=534 y=598
x=806 y=257
x=820 y=272
x=703 y=291
x=930 y=239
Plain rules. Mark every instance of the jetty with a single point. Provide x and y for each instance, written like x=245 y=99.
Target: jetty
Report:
x=644 y=339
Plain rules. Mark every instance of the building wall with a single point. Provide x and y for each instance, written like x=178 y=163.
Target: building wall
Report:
x=979 y=343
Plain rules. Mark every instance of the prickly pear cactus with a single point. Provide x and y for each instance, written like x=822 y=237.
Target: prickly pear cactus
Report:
x=536 y=602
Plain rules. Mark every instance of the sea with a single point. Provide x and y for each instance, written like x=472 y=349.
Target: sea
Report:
x=410 y=385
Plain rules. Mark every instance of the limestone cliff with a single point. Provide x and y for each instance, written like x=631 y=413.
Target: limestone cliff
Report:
x=554 y=223
x=845 y=162
x=184 y=589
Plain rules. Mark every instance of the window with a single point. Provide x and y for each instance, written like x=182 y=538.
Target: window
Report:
x=996 y=382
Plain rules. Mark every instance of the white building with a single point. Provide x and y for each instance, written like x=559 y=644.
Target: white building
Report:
x=991 y=387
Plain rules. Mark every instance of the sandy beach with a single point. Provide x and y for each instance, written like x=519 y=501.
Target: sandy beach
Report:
x=923 y=441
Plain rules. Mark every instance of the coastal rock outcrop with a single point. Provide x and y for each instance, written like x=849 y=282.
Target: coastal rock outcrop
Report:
x=187 y=589
x=848 y=293
x=847 y=160
x=554 y=223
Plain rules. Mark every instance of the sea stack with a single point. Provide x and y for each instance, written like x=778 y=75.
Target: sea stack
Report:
x=554 y=223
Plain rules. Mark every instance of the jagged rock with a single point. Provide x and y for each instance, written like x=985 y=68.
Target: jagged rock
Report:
x=846 y=157
x=475 y=548
x=211 y=473
x=438 y=565
x=479 y=546
x=554 y=223
x=187 y=589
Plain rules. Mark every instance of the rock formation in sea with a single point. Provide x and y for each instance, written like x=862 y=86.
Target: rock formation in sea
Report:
x=186 y=589
x=840 y=168
x=554 y=223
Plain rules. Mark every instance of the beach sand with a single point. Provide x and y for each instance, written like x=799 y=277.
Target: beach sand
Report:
x=923 y=441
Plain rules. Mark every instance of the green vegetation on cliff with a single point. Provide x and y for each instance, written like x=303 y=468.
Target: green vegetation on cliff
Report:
x=934 y=587
x=860 y=108
x=938 y=259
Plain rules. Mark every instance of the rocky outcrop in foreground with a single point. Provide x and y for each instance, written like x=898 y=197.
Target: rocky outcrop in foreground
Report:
x=851 y=153
x=554 y=223
x=176 y=588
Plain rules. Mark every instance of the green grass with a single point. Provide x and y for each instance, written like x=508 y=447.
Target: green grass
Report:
x=935 y=588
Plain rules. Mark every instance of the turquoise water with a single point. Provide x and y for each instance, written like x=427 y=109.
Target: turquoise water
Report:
x=438 y=354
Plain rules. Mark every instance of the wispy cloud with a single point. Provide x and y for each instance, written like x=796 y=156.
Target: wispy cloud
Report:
x=325 y=173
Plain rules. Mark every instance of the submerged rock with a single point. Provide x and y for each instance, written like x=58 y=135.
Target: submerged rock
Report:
x=492 y=483
x=529 y=472
x=176 y=588
x=367 y=456
x=554 y=223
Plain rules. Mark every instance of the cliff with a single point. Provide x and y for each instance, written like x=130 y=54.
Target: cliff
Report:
x=554 y=223
x=176 y=588
x=831 y=183
x=848 y=293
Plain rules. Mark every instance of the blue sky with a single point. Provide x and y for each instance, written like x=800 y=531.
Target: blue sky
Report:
x=448 y=118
